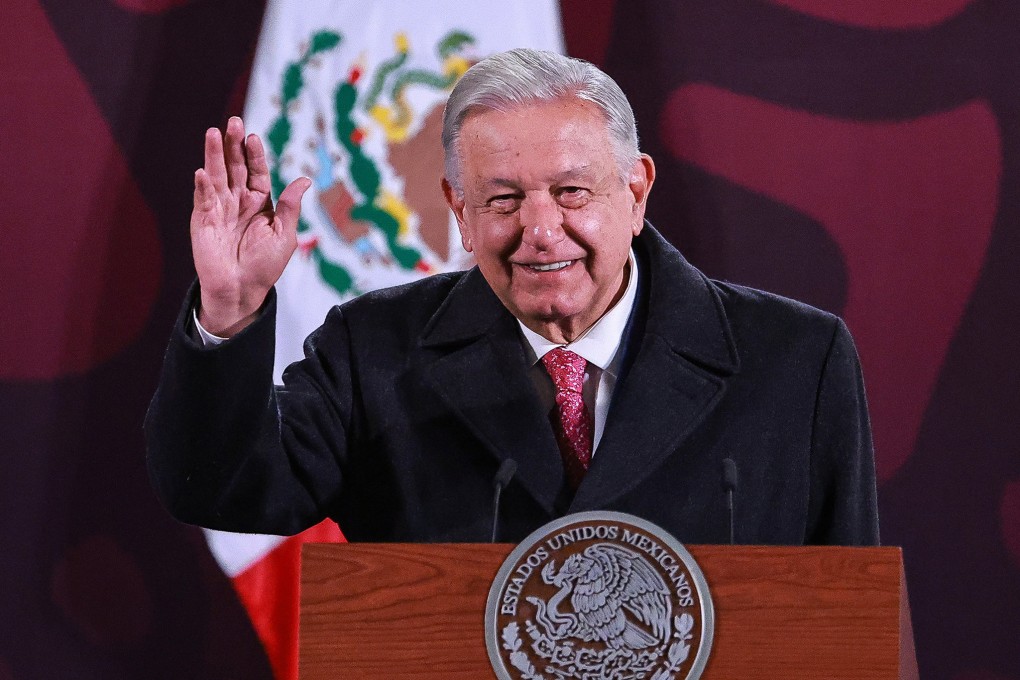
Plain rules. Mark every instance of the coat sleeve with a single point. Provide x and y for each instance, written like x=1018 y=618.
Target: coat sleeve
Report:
x=843 y=504
x=226 y=449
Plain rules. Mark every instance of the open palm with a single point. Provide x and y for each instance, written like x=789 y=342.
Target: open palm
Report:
x=240 y=242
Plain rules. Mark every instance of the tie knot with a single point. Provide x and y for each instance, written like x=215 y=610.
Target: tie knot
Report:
x=566 y=369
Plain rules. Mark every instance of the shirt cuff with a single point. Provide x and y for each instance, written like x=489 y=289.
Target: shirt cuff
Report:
x=207 y=338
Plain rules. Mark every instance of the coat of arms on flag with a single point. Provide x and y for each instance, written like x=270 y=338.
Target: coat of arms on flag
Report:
x=374 y=155
x=351 y=95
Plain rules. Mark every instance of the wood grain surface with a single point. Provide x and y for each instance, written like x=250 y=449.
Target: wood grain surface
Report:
x=417 y=611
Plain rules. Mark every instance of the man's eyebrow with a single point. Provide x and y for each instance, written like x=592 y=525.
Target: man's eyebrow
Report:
x=501 y=182
x=494 y=183
x=578 y=172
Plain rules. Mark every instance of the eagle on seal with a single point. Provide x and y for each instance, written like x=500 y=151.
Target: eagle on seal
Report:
x=604 y=583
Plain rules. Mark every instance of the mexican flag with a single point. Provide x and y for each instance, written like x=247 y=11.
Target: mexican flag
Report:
x=351 y=95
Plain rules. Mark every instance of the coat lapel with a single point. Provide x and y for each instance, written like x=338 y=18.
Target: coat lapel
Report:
x=683 y=356
x=678 y=375
x=482 y=375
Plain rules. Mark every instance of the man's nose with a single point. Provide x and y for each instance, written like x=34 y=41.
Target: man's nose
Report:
x=542 y=223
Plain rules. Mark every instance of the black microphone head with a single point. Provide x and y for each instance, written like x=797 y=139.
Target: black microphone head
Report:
x=507 y=469
x=729 y=474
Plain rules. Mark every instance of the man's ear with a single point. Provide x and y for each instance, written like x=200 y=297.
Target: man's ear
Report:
x=642 y=176
x=455 y=199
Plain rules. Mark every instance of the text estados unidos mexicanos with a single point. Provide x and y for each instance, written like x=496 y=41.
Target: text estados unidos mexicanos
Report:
x=674 y=570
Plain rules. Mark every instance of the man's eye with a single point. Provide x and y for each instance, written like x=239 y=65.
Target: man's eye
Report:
x=573 y=195
x=505 y=203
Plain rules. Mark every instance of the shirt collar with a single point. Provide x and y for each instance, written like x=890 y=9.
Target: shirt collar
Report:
x=600 y=344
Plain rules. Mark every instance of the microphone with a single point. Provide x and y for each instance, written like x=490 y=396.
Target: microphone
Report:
x=729 y=484
x=504 y=474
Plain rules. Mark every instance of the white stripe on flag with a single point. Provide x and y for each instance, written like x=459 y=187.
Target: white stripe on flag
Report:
x=236 y=552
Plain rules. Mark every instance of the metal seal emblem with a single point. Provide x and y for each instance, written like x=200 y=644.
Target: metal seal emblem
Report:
x=599 y=596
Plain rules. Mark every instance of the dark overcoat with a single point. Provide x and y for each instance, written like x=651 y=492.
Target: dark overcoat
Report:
x=409 y=398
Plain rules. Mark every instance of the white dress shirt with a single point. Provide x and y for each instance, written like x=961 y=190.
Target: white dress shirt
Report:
x=602 y=347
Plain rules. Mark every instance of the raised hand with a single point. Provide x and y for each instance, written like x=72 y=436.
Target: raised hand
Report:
x=239 y=241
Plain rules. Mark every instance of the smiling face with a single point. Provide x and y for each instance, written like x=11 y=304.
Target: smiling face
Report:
x=546 y=213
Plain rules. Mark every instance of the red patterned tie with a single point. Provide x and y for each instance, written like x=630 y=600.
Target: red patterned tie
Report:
x=571 y=421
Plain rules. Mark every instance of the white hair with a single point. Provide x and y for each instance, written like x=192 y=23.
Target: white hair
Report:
x=525 y=76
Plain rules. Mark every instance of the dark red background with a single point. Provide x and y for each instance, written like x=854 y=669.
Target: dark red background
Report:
x=862 y=156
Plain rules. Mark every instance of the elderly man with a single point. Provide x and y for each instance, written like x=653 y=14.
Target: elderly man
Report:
x=583 y=347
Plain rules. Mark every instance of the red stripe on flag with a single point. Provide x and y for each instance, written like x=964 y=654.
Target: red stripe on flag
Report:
x=270 y=591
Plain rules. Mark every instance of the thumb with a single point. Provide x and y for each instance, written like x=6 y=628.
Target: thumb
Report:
x=288 y=208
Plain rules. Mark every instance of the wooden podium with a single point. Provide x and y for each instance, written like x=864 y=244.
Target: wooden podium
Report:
x=417 y=611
